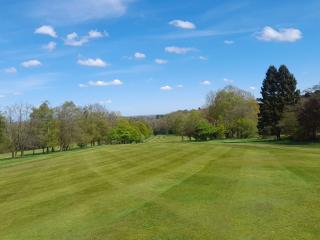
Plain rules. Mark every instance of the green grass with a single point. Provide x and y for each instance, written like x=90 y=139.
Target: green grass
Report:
x=164 y=190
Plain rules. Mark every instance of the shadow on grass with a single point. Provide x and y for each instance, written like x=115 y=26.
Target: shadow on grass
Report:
x=284 y=141
x=30 y=155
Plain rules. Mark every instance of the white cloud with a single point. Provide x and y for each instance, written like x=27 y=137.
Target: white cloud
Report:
x=10 y=70
x=115 y=82
x=228 y=81
x=160 y=61
x=206 y=82
x=81 y=85
x=31 y=63
x=180 y=86
x=97 y=34
x=252 y=88
x=178 y=50
x=139 y=56
x=183 y=24
x=228 y=42
x=93 y=62
x=282 y=35
x=74 y=40
x=166 y=88
x=203 y=58
x=50 y=46
x=46 y=30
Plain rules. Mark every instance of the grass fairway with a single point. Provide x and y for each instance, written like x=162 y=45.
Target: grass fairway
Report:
x=164 y=190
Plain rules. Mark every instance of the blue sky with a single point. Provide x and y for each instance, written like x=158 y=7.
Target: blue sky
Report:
x=150 y=57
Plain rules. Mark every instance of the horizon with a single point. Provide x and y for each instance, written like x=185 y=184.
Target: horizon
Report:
x=139 y=58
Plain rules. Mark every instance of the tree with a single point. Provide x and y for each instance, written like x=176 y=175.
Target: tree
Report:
x=203 y=130
x=278 y=91
x=17 y=128
x=234 y=109
x=125 y=132
x=3 y=137
x=190 y=123
x=309 y=115
x=42 y=127
x=68 y=116
x=289 y=123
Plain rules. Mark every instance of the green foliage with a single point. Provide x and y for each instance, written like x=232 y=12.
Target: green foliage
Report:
x=234 y=109
x=3 y=136
x=203 y=130
x=289 y=123
x=309 y=115
x=278 y=91
x=129 y=132
x=41 y=126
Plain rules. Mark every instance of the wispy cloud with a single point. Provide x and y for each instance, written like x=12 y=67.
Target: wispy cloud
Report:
x=97 y=34
x=98 y=62
x=160 y=61
x=206 y=82
x=182 y=24
x=203 y=58
x=204 y=33
x=166 y=88
x=46 y=30
x=228 y=81
x=19 y=86
x=31 y=63
x=82 y=85
x=115 y=82
x=228 y=42
x=138 y=69
x=73 y=39
x=281 y=35
x=139 y=56
x=76 y=11
x=10 y=70
x=50 y=46
x=178 y=50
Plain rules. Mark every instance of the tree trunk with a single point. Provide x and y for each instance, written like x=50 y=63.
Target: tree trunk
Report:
x=278 y=134
x=12 y=154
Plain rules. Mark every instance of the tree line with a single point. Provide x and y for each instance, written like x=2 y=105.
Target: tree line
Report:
x=228 y=113
x=23 y=127
x=231 y=112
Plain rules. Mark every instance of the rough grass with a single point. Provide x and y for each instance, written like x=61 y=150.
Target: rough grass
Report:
x=164 y=190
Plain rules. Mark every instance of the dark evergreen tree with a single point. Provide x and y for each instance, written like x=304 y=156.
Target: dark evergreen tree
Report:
x=267 y=104
x=278 y=91
x=288 y=87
